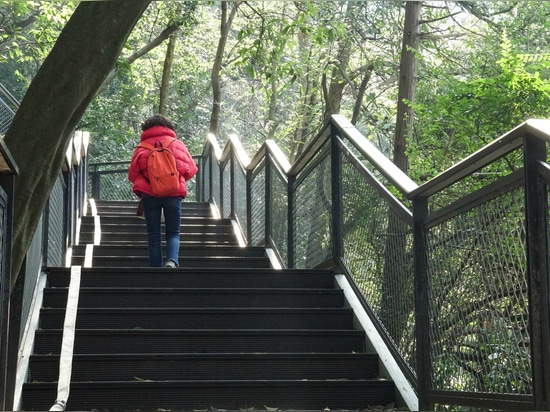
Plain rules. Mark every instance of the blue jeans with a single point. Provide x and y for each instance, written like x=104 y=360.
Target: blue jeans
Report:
x=152 y=210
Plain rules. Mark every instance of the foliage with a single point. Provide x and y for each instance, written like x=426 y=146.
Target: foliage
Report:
x=28 y=30
x=484 y=68
x=115 y=116
x=461 y=115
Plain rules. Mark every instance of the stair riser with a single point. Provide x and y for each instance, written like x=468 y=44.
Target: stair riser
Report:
x=199 y=278
x=201 y=367
x=185 y=262
x=238 y=341
x=164 y=319
x=130 y=207
x=139 y=227
x=189 y=251
x=54 y=298
x=189 y=237
x=306 y=395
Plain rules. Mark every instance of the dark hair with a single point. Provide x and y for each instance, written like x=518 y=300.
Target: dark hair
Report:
x=157 y=120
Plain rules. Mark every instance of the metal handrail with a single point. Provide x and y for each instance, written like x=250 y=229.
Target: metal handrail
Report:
x=499 y=147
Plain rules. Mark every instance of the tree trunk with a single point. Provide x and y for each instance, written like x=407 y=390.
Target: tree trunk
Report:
x=165 y=85
x=225 y=26
x=397 y=291
x=407 y=83
x=361 y=94
x=334 y=90
x=64 y=86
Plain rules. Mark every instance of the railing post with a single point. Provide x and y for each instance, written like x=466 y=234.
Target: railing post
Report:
x=336 y=179
x=536 y=207
x=421 y=302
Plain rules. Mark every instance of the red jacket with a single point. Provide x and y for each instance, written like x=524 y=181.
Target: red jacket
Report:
x=137 y=172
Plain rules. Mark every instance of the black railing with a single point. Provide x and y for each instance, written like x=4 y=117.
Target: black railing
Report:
x=53 y=239
x=453 y=273
x=327 y=210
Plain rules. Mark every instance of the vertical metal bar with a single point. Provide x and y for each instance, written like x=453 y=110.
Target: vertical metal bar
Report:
x=291 y=220
x=336 y=179
x=536 y=207
x=421 y=301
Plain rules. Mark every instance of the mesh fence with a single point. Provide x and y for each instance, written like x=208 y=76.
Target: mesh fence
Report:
x=204 y=170
x=378 y=247
x=478 y=299
x=6 y=116
x=312 y=213
x=475 y=232
x=279 y=212
x=109 y=181
x=226 y=187
x=240 y=197
x=215 y=189
x=257 y=206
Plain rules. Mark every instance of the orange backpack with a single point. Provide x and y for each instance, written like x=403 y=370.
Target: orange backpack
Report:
x=161 y=168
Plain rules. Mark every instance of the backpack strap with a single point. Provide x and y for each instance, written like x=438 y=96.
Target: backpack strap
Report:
x=146 y=146
x=151 y=147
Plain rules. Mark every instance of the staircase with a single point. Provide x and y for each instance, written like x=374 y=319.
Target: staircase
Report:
x=223 y=331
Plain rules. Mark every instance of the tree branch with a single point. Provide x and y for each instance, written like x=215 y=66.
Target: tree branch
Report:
x=157 y=41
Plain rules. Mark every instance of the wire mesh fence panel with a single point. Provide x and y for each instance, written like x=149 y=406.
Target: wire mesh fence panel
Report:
x=226 y=187
x=240 y=198
x=478 y=299
x=205 y=179
x=216 y=195
x=279 y=212
x=257 y=207
x=56 y=214
x=312 y=213
x=6 y=117
x=110 y=185
x=378 y=252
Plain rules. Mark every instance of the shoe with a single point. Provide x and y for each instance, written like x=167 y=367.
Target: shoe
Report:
x=170 y=264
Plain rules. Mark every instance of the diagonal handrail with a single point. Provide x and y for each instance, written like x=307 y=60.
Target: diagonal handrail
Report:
x=539 y=128
x=67 y=344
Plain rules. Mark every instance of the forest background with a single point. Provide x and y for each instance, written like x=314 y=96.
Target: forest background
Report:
x=277 y=69
x=427 y=82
